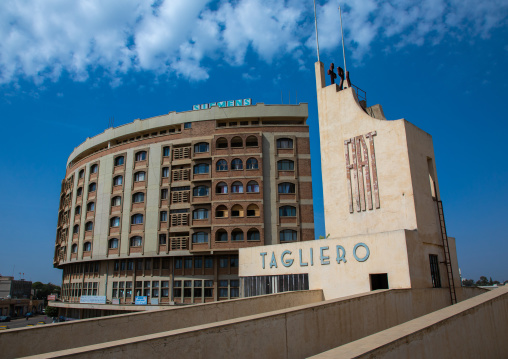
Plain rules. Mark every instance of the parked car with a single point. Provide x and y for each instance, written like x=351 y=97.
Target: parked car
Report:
x=5 y=318
x=29 y=314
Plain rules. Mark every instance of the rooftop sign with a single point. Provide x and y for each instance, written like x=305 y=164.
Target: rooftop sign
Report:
x=230 y=103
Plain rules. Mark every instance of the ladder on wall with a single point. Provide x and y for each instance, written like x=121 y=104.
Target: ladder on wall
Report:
x=448 y=263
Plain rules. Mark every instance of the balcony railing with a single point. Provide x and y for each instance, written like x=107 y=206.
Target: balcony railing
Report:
x=179 y=243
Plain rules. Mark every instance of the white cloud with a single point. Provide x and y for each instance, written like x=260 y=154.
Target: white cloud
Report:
x=41 y=40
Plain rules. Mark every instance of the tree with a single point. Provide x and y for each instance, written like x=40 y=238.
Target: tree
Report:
x=51 y=311
x=43 y=290
x=468 y=282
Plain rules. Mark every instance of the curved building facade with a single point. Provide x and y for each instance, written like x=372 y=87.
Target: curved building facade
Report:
x=159 y=207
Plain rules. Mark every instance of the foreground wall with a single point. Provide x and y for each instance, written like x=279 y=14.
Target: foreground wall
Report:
x=290 y=333
x=476 y=328
x=61 y=336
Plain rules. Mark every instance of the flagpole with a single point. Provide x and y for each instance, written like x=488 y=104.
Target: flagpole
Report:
x=315 y=23
x=342 y=34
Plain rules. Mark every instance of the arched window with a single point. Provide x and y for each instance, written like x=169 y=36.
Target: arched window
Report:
x=252 y=164
x=288 y=235
x=237 y=235
x=114 y=222
x=252 y=210
x=286 y=187
x=90 y=206
x=137 y=219
x=252 y=187
x=200 y=213
x=139 y=176
x=116 y=201
x=87 y=247
x=165 y=172
x=236 y=142
x=201 y=168
x=221 y=236
x=200 y=191
x=164 y=216
x=74 y=248
x=75 y=229
x=81 y=174
x=136 y=241
x=88 y=226
x=79 y=192
x=200 y=237
x=221 y=143
x=140 y=156
x=253 y=235
x=284 y=143
x=222 y=187
x=251 y=141
x=222 y=165
x=77 y=210
x=92 y=187
x=113 y=243
x=201 y=147
x=117 y=181
x=221 y=211
x=286 y=165
x=237 y=187
x=94 y=168
x=236 y=164
x=119 y=160
x=138 y=197
x=237 y=211
x=287 y=211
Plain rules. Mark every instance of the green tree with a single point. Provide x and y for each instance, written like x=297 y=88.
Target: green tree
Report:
x=43 y=290
x=51 y=311
x=468 y=282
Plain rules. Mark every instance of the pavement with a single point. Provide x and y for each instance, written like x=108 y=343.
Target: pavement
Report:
x=22 y=322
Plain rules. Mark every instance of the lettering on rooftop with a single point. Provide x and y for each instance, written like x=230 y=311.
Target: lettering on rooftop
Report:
x=229 y=103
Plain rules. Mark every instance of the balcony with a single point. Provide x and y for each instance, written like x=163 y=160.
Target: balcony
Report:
x=179 y=243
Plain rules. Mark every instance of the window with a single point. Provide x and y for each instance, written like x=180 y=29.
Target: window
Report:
x=164 y=193
x=77 y=210
x=221 y=143
x=287 y=235
x=201 y=147
x=138 y=197
x=177 y=289
x=200 y=237
x=251 y=141
x=117 y=181
x=237 y=235
x=253 y=235
x=237 y=187
x=178 y=263
x=92 y=187
x=252 y=164
x=164 y=216
x=94 y=168
x=187 y=262
x=165 y=151
x=221 y=212
x=223 y=289
x=224 y=262
x=378 y=281
x=165 y=172
x=116 y=201
x=236 y=141
x=208 y=288
x=221 y=236
x=187 y=125
x=136 y=241
x=252 y=210
x=81 y=174
x=286 y=165
x=286 y=187
x=434 y=271
x=237 y=211
x=88 y=226
x=235 y=288
x=201 y=168
x=113 y=243
x=284 y=143
x=198 y=262
x=222 y=165
x=287 y=211
x=140 y=156
x=200 y=213
x=162 y=239
x=79 y=192
x=165 y=289
x=74 y=248
x=236 y=164
x=139 y=176
x=119 y=161
x=114 y=222
x=187 y=288
x=75 y=229
x=137 y=219
x=200 y=191
x=222 y=187
x=208 y=262
x=252 y=187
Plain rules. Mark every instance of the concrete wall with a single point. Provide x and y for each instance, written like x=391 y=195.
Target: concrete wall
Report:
x=61 y=336
x=296 y=332
x=476 y=328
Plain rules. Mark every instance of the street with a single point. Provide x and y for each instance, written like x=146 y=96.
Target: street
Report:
x=22 y=322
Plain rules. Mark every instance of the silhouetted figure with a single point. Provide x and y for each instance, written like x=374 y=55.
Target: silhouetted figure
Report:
x=331 y=73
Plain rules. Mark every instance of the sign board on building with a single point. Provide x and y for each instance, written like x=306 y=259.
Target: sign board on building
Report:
x=92 y=299
x=230 y=103
x=51 y=297
x=116 y=301
x=154 y=301
x=141 y=300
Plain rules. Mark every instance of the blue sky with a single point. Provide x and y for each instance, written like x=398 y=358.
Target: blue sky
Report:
x=67 y=67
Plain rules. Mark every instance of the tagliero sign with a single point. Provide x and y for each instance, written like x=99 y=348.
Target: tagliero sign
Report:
x=304 y=259
x=230 y=103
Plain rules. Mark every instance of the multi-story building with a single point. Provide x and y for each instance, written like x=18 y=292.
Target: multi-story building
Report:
x=159 y=207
